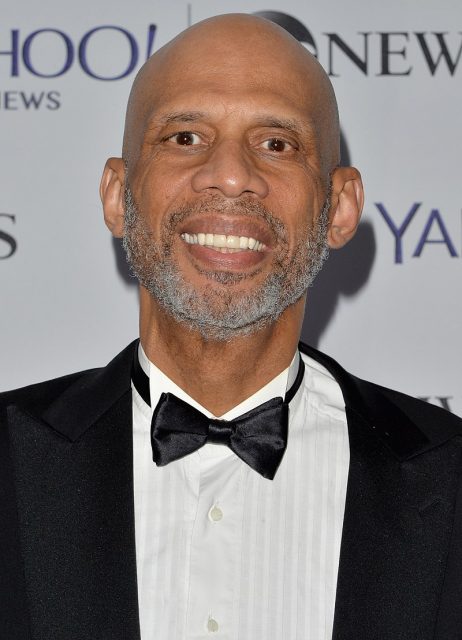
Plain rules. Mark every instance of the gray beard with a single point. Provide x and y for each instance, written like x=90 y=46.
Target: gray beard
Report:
x=219 y=313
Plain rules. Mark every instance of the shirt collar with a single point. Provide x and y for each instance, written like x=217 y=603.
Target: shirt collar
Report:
x=160 y=383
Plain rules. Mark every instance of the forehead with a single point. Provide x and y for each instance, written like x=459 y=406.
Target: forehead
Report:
x=227 y=87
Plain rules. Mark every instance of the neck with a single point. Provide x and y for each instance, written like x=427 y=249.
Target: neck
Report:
x=218 y=375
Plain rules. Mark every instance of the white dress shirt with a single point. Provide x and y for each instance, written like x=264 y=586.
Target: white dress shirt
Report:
x=223 y=552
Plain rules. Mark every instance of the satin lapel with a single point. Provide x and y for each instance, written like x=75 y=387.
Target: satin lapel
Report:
x=395 y=539
x=77 y=525
x=14 y=619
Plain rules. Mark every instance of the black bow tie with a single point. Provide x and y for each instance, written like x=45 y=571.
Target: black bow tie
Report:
x=258 y=437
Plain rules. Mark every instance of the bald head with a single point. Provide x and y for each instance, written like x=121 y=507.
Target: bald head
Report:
x=235 y=50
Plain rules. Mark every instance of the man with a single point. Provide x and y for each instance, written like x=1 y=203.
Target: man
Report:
x=348 y=526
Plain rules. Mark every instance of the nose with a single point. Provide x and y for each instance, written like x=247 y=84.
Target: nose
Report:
x=229 y=169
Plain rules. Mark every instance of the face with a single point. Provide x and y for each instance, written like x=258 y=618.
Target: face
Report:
x=227 y=200
x=218 y=312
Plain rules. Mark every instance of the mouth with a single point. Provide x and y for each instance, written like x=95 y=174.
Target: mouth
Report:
x=234 y=243
x=227 y=245
x=224 y=243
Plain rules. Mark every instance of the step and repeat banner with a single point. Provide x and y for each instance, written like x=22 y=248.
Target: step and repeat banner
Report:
x=388 y=306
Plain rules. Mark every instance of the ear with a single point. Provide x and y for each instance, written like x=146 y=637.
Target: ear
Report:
x=346 y=205
x=111 y=191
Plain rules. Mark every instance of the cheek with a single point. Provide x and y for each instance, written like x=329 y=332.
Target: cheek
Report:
x=295 y=209
x=163 y=189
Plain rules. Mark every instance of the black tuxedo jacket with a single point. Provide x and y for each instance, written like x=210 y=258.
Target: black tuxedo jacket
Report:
x=67 y=546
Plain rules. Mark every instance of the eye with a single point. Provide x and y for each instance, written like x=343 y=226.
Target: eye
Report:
x=277 y=145
x=185 y=138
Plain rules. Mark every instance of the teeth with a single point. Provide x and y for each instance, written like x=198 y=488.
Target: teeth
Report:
x=220 y=241
x=232 y=242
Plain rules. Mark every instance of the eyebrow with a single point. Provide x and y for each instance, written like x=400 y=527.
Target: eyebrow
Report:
x=274 y=122
x=287 y=124
x=181 y=116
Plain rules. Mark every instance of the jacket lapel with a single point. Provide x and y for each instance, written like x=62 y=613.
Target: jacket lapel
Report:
x=395 y=540
x=75 y=501
x=398 y=522
x=14 y=618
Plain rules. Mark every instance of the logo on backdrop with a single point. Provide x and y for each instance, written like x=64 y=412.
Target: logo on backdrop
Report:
x=8 y=244
x=419 y=230
x=51 y=53
x=377 y=53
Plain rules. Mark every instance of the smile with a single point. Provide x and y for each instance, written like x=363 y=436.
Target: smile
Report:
x=223 y=243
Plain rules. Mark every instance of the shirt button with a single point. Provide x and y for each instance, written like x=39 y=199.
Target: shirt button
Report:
x=212 y=625
x=215 y=514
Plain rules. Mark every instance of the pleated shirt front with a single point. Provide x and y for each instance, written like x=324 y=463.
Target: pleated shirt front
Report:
x=223 y=552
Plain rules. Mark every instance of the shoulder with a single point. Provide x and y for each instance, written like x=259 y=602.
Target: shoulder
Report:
x=406 y=424
x=40 y=395
x=84 y=394
x=430 y=417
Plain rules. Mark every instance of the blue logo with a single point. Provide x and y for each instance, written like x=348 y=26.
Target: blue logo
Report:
x=25 y=53
x=430 y=225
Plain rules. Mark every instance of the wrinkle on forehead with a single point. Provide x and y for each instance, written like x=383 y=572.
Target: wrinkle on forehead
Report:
x=230 y=49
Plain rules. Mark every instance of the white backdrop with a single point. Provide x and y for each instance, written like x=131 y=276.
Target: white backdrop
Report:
x=388 y=307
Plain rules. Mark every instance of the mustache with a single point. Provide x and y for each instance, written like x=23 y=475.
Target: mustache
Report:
x=240 y=208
